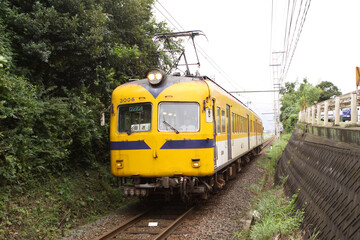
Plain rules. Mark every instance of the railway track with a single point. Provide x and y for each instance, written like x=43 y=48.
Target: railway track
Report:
x=267 y=143
x=156 y=223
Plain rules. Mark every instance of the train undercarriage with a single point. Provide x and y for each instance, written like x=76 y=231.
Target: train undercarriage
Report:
x=187 y=187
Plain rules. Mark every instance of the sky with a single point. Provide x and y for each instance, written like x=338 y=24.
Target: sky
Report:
x=240 y=39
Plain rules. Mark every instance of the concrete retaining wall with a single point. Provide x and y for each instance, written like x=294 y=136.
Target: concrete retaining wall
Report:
x=326 y=175
x=338 y=134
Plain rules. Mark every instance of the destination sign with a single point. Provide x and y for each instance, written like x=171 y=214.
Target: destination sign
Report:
x=135 y=108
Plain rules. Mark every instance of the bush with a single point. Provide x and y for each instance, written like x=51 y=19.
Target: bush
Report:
x=41 y=134
x=50 y=209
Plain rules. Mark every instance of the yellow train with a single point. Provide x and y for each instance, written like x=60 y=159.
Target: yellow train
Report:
x=174 y=134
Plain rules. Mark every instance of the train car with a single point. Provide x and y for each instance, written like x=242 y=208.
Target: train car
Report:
x=174 y=134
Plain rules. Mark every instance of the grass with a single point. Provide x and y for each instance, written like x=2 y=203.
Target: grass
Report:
x=273 y=154
x=274 y=214
x=53 y=206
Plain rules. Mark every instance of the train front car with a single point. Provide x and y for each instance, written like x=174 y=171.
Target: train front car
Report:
x=161 y=135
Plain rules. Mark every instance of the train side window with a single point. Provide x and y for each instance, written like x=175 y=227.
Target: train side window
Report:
x=222 y=120
x=241 y=124
x=245 y=124
x=233 y=123
x=236 y=123
x=234 y=126
x=218 y=125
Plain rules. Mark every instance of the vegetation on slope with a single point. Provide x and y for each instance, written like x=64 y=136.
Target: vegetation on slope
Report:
x=59 y=62
x=275 y=216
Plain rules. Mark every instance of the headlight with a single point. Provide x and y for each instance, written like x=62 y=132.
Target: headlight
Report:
x=119 y=164
x=155 y=76
x=195 y=163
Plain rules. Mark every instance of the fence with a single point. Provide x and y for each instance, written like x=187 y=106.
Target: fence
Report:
x=313 y=114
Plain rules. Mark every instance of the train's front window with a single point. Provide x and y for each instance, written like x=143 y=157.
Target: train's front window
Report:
x=178 y=117
x=134 y=118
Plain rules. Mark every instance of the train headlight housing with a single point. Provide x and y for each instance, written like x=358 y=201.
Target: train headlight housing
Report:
x=119 y=164
x=195 y=163
x=155 y=76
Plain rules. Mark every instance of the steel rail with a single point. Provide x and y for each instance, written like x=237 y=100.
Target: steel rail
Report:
x=167 y=232
x=123 y=226
x=267 y=143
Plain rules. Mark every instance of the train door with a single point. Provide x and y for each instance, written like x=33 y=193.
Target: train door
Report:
x=215 y=129
x=248 y=129
x=228 y=123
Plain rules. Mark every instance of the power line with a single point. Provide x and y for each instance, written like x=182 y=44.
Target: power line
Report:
x=291 y=45
x=297 y=40
x=171 y=16
x=166 y=17
x=202 y=52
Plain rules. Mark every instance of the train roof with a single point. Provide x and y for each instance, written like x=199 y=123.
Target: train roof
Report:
x=174 y=79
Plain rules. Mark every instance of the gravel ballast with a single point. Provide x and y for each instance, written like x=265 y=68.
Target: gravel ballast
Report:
x=219 y=217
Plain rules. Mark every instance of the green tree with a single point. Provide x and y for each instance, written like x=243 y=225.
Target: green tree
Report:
x=61 y=60
x=5 y=49
x=308 y=94
x=98 y=44
x=328 y=90
x=293 y=100
x=289 y=106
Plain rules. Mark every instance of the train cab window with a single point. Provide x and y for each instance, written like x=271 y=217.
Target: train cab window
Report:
x=179 y=117
x=134 y=118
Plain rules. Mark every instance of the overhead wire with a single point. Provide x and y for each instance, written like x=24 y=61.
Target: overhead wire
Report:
x=288 y=29
x=290 y=43
x=290 y=32
x=170 y=16
x=202 y=52
x=297 y=40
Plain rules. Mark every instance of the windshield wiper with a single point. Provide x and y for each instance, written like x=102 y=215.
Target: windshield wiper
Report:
x=171 y=127
x=129 y=131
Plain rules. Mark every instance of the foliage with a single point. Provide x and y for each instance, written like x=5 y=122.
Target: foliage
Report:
x=308 y=94
x=71 y=43
x=59 y=61
x=45 y=135
x=328 y=90
x=293 y=100
x=53 y=207
x=5 y=49
x=275 y=216
x=274 y=154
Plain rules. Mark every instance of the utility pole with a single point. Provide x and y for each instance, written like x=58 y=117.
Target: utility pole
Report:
x=276 y=68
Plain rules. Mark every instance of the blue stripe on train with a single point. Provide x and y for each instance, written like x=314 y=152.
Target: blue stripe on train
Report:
x=172 y=144
x=188 y=144
x=132 y=145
